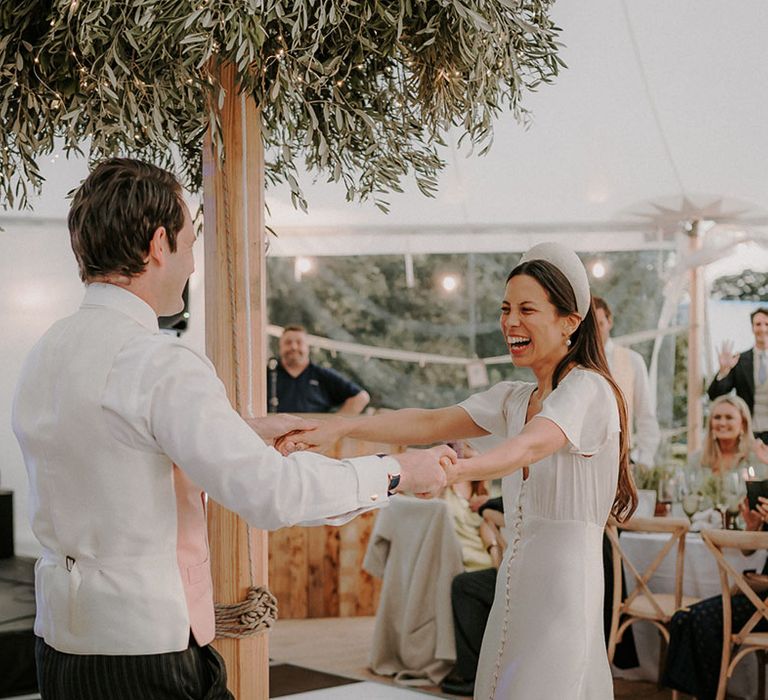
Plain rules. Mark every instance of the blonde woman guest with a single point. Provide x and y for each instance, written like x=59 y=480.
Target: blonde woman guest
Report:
x=729 y=445
x=565 y=468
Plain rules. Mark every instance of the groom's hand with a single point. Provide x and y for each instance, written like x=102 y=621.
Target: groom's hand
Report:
x=319 y=438
x=279 y=425
x=422 y=471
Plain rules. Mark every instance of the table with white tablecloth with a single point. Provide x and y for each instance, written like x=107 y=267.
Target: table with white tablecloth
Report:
x=700 y=579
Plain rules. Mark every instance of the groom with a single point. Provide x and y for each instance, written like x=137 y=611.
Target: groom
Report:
x=123 y=430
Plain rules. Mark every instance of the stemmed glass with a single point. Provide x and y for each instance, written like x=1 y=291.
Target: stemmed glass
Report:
x=690 y=504
x=719 y=499
x=734 y=491
x=667 y=492
x=690 y=486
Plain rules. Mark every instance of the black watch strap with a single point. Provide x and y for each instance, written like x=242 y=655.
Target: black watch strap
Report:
x=394 y=479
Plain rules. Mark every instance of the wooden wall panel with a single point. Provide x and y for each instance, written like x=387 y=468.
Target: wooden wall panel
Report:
x=289 y=569
x=358 y=590
x=323 y=558
x=318 y=571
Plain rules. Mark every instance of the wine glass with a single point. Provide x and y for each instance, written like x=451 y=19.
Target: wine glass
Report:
x=666 y=491
x=734 y=491
x=690 y=504
x=715 y=490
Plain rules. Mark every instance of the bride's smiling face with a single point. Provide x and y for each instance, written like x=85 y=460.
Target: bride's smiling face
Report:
x=533 y=329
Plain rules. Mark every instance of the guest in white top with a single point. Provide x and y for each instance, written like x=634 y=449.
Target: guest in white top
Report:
x=564 y=462
x=629 y=370
x=747 y=373
x=121 y=428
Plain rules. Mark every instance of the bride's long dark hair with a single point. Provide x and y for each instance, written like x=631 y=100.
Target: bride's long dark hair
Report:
x=586 y=350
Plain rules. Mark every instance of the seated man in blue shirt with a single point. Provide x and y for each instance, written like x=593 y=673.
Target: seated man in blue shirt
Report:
x=304 y=387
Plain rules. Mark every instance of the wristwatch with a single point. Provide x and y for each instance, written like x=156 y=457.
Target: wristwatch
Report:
x=394 y=482
x=394 y=479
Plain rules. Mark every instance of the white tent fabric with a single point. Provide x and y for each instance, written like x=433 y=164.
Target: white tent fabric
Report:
x=662 y=103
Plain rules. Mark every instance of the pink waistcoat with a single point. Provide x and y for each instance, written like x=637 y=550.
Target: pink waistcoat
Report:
x=192 y=555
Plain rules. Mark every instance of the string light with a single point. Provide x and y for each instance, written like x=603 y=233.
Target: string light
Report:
x=302 y=266
x=598 y=269
x=449 y=283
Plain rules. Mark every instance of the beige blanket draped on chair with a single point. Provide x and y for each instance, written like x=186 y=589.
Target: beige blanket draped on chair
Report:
x=414 y=549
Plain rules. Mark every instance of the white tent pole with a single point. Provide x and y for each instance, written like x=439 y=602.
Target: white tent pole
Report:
x=696 y=318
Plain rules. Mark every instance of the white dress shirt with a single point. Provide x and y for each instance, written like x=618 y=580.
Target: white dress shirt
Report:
x=760 y=407
x=645 y=429
x=105 y=406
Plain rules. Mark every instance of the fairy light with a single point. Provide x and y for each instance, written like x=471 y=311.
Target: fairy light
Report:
x=598 y=269
x=301 y=267
x=449 y=283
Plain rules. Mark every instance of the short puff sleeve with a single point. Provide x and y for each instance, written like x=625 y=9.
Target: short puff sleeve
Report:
x=488 y=409
x=584 y=407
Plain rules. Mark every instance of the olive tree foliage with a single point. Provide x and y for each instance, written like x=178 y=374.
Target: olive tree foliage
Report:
x=357 y=90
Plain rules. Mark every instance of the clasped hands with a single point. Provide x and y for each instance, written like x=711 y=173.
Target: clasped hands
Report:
x=424 y=473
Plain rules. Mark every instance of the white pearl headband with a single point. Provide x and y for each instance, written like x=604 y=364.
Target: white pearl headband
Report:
x=565 y=260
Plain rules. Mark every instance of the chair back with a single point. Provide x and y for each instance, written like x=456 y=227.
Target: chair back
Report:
x=677 y=529
x=642 y=603
x=733 y=581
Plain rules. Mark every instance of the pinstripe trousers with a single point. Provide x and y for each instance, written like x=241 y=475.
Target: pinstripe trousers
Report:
x=197 y=673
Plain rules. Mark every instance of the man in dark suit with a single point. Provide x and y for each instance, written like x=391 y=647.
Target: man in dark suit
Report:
x=747 y=373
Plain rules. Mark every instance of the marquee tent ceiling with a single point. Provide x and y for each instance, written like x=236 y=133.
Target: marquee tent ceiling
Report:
x=659 y=118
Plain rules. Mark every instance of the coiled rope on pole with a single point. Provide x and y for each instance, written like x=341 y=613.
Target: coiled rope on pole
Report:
x=254 y=615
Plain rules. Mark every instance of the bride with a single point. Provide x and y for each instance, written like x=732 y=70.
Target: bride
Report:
x=565 y=469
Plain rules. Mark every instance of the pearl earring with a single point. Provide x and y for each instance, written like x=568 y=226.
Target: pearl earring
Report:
x=567 y=342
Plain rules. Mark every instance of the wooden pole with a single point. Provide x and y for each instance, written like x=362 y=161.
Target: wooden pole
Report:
x=235 y=315
x=695 y=320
